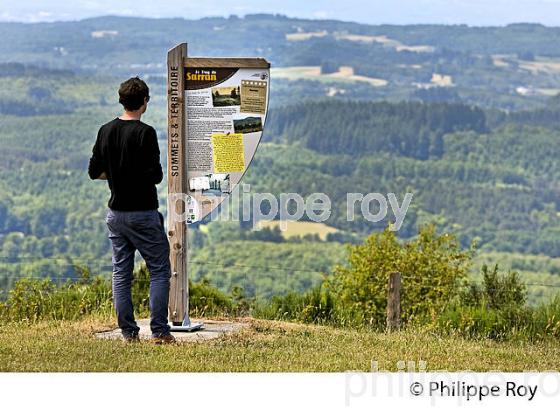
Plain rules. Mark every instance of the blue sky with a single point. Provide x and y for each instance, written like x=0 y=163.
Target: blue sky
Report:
x=472 y=12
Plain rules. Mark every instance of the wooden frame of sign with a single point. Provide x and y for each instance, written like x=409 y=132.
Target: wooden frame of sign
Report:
x=177 y=63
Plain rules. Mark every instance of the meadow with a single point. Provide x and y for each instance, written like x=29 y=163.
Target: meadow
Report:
x=266 y=346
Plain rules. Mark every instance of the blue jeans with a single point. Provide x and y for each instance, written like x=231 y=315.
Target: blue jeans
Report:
x=142 y=230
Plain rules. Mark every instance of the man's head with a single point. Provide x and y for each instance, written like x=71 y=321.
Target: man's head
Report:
x=134 y=95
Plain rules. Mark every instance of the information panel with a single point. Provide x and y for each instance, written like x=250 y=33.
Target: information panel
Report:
x=216 y=109
x=225 y=115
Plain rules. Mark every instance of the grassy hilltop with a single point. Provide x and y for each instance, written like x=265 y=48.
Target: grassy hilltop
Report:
x=447 y=323
x=264 y=347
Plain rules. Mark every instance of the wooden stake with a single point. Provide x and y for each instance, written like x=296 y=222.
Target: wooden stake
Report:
x=176 y=179
x=394 y=302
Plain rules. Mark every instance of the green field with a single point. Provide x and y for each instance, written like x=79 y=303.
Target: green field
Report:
x=265 y=346
x=345 y=74
x=300 y=228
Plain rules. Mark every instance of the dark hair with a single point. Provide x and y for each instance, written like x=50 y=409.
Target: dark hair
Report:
x=132 y=93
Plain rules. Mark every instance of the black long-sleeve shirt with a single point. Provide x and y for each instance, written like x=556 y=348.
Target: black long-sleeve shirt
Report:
x=128 y=152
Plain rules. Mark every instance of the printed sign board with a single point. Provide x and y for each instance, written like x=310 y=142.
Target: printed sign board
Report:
x=216 y=114
x=225 y=115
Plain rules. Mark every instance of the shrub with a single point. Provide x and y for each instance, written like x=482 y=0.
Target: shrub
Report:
x=34 y=299
x=206 y=300
x=479 y=322
x=546 y=320
x=496 y=291
x=431 y=265
x=496 y=309
x=315 y=306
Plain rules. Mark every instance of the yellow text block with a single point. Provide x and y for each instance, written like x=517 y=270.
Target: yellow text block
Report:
x=228 y=153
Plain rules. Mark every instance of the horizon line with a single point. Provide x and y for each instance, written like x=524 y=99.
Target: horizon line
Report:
x=275 y=15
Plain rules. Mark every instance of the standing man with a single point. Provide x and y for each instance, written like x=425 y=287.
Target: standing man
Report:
x=126 y=154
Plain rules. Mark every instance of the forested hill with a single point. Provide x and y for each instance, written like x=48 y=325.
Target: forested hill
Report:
x=101 y=39
x=358 y=128
x=485 y=177
x=511 y=67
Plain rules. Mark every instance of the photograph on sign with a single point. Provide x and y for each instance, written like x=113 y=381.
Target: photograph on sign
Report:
x=225 y=96
x=247 y=125
x=225 y=116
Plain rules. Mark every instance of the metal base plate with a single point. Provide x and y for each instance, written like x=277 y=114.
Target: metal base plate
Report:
x=192 y=327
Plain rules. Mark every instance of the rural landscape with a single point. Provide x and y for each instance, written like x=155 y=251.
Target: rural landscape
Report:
x=467 y=119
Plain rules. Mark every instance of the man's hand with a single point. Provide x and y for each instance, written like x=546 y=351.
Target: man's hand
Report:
x=103 y=176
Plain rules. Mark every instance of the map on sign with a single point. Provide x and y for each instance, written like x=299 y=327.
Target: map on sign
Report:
x=225 y=115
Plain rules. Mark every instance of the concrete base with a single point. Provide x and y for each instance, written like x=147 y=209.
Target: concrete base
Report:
x=191 y=327
x=212 y=330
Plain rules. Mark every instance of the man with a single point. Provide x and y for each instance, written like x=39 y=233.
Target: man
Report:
x=126 y=154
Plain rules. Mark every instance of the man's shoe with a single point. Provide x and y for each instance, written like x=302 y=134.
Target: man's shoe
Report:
x=163 y=339
x=131 y=338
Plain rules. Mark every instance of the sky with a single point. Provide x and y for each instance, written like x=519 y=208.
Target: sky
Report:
x=471 y=12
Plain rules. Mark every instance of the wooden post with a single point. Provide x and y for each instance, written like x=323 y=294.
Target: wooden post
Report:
x=394 y=302
x=176 y=179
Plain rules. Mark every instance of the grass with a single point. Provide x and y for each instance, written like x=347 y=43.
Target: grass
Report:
x=267 y=346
